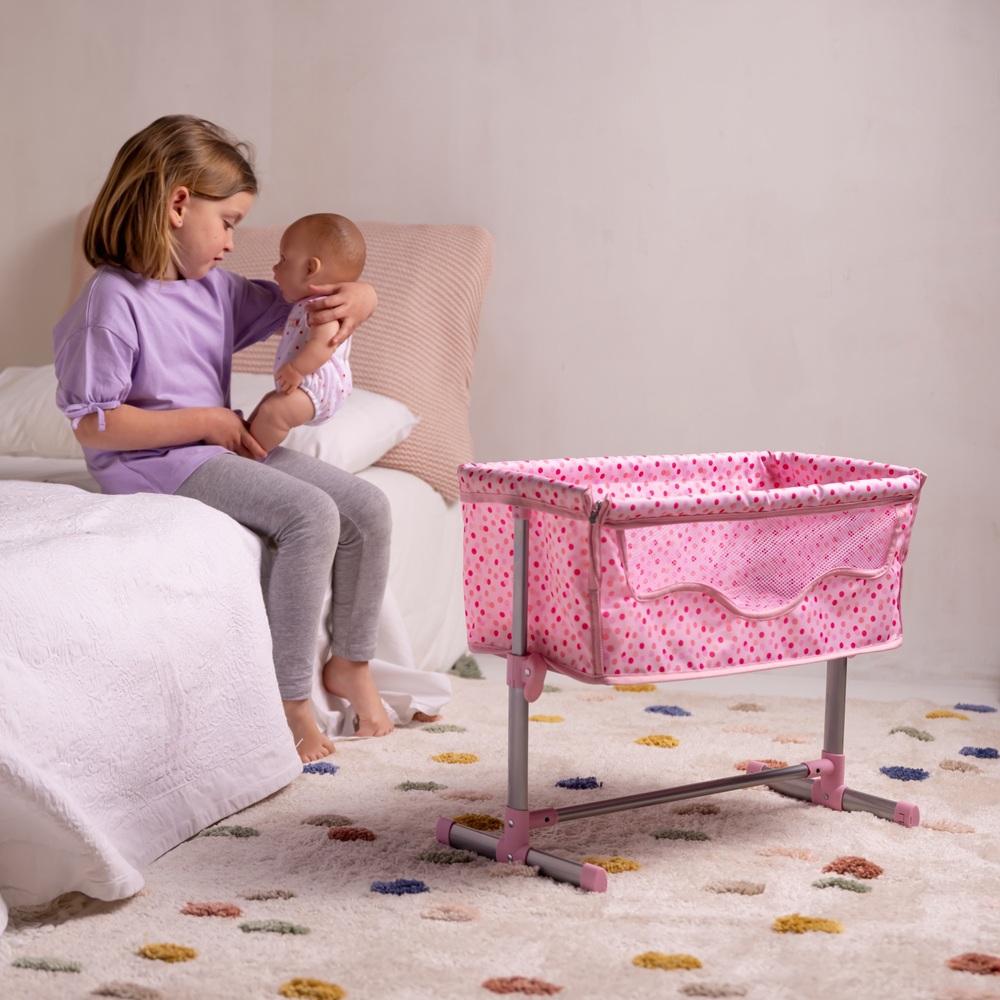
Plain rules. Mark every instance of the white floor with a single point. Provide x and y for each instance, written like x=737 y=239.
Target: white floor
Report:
x=876 y=677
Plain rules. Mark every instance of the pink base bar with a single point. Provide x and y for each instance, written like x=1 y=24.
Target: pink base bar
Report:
x=443 y=830
x=907 y=814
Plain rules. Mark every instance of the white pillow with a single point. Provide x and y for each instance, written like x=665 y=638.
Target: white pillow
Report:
x=363 y=430
x=356 y=436
x=30 y=421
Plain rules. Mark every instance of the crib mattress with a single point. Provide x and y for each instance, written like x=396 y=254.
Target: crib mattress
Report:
x=661 y=567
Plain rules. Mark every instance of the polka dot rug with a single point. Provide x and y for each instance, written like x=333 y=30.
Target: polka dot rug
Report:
x=335 y=887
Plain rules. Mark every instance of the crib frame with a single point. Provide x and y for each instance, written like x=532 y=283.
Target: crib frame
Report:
x=820 y=781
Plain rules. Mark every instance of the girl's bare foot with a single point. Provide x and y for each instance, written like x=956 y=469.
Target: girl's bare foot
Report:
x=352 y=681
x=309 y=741
x=424 y=717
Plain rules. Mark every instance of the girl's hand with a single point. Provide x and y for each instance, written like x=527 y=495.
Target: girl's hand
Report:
x=226 y=429
x=349 y=303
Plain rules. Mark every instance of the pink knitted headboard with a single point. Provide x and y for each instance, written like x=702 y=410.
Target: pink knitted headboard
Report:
x=420 y=344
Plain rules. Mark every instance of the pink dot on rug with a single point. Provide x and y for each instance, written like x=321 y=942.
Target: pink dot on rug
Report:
x=350 y=833
x=972 y=961
x=851 y=865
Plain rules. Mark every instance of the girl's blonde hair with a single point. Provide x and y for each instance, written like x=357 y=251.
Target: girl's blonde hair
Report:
x=129 y=225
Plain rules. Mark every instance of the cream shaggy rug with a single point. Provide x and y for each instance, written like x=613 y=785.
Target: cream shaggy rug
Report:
x=336 y=886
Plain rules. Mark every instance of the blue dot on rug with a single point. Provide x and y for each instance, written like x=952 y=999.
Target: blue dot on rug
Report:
x=401 y=887
x=962 y=707
x=579 y=783
x=320 y=767
x=667 y=709
x=905 y=773
x=984 y=753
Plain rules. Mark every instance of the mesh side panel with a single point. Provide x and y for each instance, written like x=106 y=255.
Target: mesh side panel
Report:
x=761 y=565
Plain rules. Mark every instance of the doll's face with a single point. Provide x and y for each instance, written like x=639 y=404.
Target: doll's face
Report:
x=296 y=264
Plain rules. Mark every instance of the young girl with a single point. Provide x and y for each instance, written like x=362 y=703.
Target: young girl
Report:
x=144 y=359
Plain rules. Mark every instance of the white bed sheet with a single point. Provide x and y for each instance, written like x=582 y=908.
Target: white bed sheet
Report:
x=421 y=633
x=116 y=743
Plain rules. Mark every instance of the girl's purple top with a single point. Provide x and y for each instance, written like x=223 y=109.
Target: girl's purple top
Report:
x=158 y=345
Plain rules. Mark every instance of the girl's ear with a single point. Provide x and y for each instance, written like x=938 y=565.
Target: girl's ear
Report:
x=177 y=206
x=312 y=266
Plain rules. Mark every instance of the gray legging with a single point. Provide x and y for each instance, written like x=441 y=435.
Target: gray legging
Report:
x=324 y=525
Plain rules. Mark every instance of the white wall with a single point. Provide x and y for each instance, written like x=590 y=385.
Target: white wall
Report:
x=719 y=224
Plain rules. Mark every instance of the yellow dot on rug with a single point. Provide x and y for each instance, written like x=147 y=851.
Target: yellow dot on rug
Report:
x=658 y=741
x=658 y=960
x=614 y=864
x=521 y=984
x=312 y=989
x=168 y=952
x=795 y=923
x=546 y=718
x=455 y=758
x=451 y=912
x=212 y=910
x=479 y=821
x=634 y=687
x=943 y=714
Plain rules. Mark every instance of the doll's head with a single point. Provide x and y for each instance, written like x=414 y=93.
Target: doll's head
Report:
x=321 y=249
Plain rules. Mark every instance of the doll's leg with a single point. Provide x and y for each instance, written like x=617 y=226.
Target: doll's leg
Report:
x=359 y=573
x=277 y=414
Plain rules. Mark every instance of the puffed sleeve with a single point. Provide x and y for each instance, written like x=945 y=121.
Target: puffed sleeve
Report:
x=94 y=370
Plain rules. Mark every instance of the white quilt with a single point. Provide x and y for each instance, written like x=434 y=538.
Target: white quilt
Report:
x=138 y=702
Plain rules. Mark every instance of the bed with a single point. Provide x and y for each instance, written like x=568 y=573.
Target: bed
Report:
x=138 y=703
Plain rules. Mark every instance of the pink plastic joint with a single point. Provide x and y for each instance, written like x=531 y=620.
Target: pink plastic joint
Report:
x=517 y=826
x=828 y=788
x=528 y=673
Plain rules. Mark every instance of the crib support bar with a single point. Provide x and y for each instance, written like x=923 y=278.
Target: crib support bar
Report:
x=679 y=792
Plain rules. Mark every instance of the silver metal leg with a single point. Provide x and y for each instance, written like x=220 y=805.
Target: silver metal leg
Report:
x=517 y=705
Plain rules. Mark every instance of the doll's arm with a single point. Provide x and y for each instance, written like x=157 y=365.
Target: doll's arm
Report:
x=316 y=352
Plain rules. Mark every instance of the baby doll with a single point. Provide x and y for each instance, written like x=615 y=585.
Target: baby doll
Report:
x=311 y=373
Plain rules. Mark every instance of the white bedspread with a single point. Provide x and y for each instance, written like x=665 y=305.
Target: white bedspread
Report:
x=138 y=702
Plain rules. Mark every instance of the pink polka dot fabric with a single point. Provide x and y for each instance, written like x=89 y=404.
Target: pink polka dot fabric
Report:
x=661 y=567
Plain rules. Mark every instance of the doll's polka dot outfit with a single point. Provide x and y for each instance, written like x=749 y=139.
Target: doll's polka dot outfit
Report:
x=328 y=387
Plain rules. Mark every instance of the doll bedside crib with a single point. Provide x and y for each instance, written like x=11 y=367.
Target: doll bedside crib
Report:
x=621 y=570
